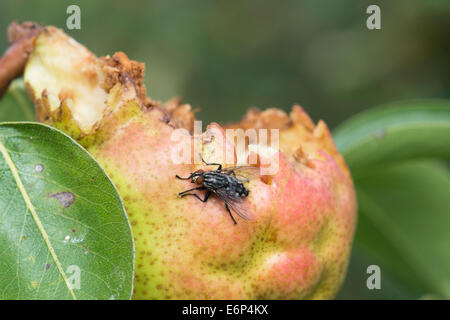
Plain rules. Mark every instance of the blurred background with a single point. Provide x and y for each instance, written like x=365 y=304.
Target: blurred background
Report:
x=226 y=56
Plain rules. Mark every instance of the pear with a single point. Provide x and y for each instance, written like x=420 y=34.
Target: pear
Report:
x=297 y=244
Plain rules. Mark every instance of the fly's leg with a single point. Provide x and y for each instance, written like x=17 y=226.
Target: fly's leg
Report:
x=212 y=164
x=197 y=188
x=187 y=178
x=232 y=218
x=183 y=194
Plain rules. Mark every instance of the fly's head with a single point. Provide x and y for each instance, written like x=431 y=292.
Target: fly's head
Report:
x=197 y=177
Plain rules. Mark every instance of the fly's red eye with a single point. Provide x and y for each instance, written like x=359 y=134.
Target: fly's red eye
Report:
x=199 y=180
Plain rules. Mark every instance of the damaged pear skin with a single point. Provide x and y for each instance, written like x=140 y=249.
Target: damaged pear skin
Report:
x=296 y=246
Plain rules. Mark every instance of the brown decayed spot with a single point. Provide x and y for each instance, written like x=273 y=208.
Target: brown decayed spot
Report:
x=65 y=198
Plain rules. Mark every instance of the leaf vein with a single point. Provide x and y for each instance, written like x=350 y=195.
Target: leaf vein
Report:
x=34 y=214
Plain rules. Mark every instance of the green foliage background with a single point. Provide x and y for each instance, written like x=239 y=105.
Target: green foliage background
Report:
x=226 y=56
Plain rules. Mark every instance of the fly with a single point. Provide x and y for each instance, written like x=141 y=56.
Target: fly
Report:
x=225 y=183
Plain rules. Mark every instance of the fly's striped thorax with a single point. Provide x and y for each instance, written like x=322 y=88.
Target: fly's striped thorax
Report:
x=215 y=180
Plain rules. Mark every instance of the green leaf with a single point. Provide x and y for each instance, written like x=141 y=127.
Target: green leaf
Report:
x=355 y=285
x=396 y=132
x=404 y=221
x=398 y=155
x=60 y=217
x=15 y=105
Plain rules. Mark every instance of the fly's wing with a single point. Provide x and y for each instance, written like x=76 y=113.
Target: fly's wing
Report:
x=243 y=173
x=236 y=204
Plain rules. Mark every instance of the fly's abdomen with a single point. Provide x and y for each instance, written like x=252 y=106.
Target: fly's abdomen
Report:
x=240 y=190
